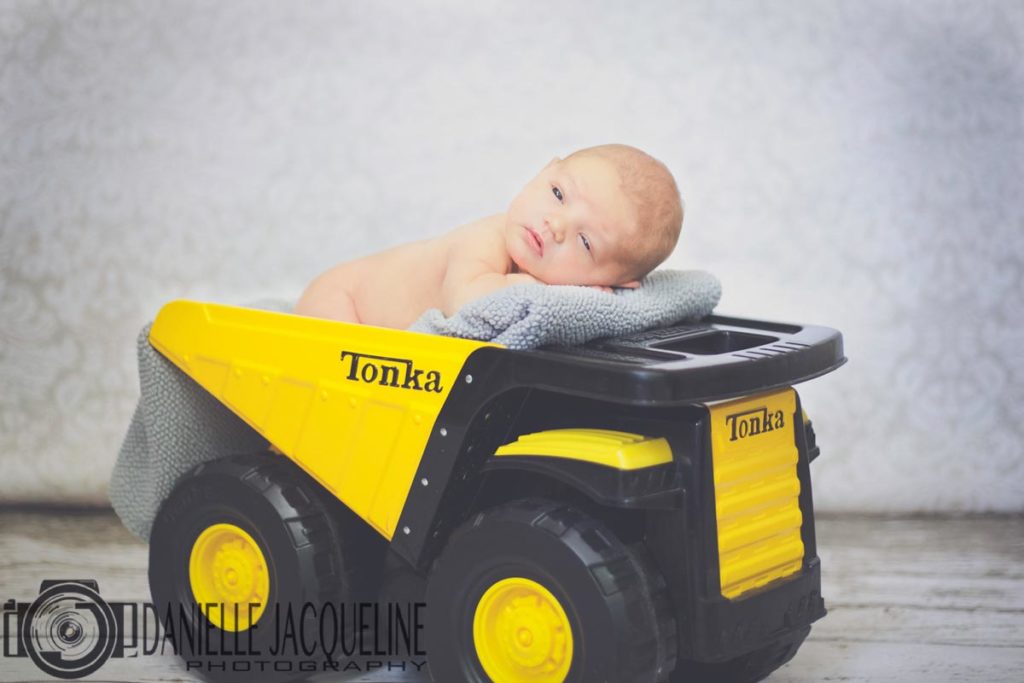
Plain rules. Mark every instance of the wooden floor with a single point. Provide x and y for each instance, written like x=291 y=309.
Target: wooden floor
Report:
x=909 y=599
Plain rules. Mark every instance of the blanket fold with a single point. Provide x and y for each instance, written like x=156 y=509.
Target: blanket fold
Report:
x=528 y=316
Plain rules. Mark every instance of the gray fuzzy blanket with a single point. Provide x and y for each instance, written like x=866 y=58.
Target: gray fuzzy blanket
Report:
x=528 y=316
x=178 y=424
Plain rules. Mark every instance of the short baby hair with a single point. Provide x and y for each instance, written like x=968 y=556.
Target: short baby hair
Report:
x=650 y=186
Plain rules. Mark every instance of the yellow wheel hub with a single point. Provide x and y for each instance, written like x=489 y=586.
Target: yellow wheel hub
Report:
x=227 y=569
x=521 y=633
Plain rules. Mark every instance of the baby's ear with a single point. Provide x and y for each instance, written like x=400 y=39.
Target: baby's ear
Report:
x=632 y=284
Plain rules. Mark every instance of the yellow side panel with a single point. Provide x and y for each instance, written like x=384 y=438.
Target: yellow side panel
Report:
x=756 y=490
x=353 y=405
x=621 y=450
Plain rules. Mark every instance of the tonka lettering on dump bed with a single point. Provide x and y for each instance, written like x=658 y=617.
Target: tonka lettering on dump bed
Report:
x=364 y=367
x=636 y=508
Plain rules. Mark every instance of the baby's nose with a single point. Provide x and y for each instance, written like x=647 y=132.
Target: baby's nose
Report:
x=556 y=227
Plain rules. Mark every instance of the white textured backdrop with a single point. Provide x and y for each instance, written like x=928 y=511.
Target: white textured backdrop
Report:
x=854 y=164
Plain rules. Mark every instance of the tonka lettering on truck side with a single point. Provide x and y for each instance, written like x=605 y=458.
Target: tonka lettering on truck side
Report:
x=367 y=368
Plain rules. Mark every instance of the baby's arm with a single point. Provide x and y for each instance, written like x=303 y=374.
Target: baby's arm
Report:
x=477 y=264
x=479 y=286
x=468 y=278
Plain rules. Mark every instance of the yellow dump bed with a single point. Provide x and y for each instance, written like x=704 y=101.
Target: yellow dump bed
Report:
x=353 y=405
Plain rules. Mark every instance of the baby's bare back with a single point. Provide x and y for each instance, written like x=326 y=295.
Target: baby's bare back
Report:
x=394 y=287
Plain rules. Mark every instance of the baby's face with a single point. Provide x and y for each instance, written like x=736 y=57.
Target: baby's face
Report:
x=573 y=225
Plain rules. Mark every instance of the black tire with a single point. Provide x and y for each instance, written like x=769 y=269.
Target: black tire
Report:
x=751 y=667
x=282 y=510
x=615 y=602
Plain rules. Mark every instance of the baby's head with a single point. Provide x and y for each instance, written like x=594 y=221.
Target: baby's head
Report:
x=605 y=215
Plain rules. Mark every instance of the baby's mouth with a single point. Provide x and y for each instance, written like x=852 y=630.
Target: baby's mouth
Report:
x=535 y=241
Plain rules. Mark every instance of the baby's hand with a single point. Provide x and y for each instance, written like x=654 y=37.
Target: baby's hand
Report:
x=632 y=284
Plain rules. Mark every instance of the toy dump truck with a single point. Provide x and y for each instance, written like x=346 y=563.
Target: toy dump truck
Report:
x=631 y=509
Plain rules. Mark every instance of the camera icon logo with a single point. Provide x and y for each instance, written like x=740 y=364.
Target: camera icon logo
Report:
x=69 y=631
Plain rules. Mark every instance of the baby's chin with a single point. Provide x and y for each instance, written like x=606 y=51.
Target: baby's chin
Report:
x=519 y=263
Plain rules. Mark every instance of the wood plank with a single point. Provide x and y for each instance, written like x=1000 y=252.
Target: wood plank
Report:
x=877 y=662
x=909 y=599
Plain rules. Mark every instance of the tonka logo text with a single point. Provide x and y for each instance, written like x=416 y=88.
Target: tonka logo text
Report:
x=754 y=422
x=390 y=372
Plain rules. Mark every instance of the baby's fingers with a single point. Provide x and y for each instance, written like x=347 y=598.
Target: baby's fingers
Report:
x=603 y=288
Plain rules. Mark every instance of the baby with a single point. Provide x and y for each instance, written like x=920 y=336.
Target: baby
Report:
x=602 y=217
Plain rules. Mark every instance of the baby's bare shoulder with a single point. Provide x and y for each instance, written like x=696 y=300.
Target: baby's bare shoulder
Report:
x=481 y=242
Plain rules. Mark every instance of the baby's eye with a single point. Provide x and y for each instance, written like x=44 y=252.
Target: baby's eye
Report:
x=586 y=242
x=557 y=193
